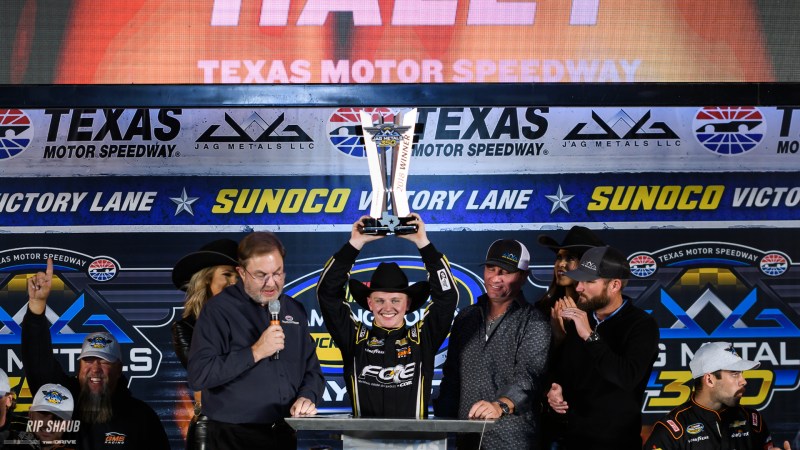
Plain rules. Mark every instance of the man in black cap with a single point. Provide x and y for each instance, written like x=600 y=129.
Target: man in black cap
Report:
x=389 y=367
x=497 y=356
x=602 y=367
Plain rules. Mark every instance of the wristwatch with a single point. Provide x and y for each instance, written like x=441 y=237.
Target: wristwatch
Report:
x=593 y=337
x=504 y=407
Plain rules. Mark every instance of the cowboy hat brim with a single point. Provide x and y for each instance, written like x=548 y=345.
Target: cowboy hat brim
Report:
x=193 y=262
x=417 y=293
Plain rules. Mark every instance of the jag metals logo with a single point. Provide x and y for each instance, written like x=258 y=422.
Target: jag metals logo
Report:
x=719 y=291
x=254 y=131
x=304 y=290
x=621 y=128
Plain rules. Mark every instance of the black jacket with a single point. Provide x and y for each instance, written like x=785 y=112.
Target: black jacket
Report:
x=134 y=425
x=388 y=372
x=604 y=381
x=182 y=330
x=235 y=388
x=693 y=427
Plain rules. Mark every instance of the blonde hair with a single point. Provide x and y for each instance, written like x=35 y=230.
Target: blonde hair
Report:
x=198 y=291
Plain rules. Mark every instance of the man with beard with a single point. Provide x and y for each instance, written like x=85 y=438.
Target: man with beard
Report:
x=252 y=355
x=713 y=419
x=110 y=417
x=601 y=369
x=497 y=356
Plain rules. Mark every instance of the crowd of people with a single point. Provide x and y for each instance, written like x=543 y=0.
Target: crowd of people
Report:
x=565 y=372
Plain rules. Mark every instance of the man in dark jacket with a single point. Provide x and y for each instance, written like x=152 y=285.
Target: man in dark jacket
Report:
x=388 y=367
x=252 y=354
x=110 y=417
x=602 y=366
x=497 y=356
x=713 y=419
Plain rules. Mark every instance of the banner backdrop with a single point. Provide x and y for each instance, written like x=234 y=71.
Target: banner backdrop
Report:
x=702 y=200
x=389 y=41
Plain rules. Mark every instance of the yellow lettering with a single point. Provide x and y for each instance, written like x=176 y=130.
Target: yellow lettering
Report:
x=668 y=198
x=684 y=202
x=677 y=386
x=224 y=202
x=712 y=197
x=645 y=197
x=246 y=202
x=271 y=199
x=310 y=206
x=767 y=378
x=599 y=201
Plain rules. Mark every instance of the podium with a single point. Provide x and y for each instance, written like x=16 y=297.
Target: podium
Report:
x=385 y=434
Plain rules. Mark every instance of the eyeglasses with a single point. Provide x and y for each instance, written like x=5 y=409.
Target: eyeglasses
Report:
x=262 y=277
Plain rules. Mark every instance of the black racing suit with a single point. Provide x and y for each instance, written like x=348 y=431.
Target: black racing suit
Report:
x=388 y=372
x=691 y=426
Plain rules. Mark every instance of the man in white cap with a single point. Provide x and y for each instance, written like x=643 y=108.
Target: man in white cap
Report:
x=713 y=417
x=11 y=426
x=602 y=366
x=497 y=355
x=52 y=406
x=110 y=416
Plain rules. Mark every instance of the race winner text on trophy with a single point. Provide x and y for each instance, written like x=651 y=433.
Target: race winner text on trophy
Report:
x=389 y=182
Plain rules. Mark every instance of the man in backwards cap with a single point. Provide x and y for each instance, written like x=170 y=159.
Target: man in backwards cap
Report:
x=497 y=355
x=601 y=369
x=110 y=417
x=713 y=418
x=389 y=367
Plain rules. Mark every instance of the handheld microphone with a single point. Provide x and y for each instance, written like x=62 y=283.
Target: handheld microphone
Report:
x=274 y=308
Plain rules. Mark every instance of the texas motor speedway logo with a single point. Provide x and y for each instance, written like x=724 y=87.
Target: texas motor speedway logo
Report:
x=719 y=291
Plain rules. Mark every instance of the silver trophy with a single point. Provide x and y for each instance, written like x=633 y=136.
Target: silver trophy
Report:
x=389 y=181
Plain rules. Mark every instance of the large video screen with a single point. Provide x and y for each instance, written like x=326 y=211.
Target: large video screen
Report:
x=386 y=41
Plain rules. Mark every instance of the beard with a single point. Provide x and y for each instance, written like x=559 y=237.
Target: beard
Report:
x=594 y=303
x=94 y=407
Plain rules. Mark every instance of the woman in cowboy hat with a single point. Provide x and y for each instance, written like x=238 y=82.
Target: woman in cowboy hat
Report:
x=388 y=367
x=568 y=254
x=202 y=274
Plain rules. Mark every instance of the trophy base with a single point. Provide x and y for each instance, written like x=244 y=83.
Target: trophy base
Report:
x=388 y=225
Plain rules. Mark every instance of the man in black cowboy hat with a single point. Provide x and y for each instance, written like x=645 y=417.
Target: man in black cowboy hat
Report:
x=388 y=367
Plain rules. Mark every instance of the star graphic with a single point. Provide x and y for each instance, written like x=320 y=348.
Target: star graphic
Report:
x=559 y=200
x=184 y=203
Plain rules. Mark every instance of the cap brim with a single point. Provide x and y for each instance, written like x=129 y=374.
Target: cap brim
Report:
x=505 y=265
x=96 y=354
x=581 y=275
x=63 y=415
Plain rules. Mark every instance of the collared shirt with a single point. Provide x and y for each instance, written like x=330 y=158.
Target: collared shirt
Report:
x=511 y=363
x=236 y=389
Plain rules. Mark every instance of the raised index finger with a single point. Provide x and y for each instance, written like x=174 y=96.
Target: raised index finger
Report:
x=49 y=270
